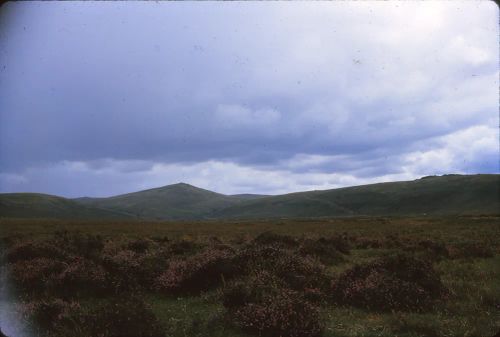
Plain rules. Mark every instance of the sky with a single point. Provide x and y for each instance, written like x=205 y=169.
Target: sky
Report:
x=104 y=98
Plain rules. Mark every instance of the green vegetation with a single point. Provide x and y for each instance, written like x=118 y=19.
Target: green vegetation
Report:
x=36 y=205
x=336 y=277
x=450 y=194
x=179 y=201
x=444 y=195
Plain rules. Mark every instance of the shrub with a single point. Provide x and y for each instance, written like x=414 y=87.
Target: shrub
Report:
x=270 y=238
x=394 y=282
x=198 y=272
x=132 y=270
x=469 y=250
x=428 y=249
x=125 y=317
x=286 y=313
x=35 y=275
x=252 y=289
x=151 y=266
x=82 y=276
x=22 y=251
x=44 y=317
x=340 y=243
x=298 y=272
x=122 y=267
x=88 y=245
x=438 y=248
x=183 y=247
x=388 y=242
x=139 y=245
x=327 y=251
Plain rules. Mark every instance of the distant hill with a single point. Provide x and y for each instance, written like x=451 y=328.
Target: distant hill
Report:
x=178 y=201
x=36 y=205
x=432 y=195
x=249 y=196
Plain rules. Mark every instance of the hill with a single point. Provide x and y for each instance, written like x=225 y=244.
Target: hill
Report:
x=36 y=205
x=436 y=195
x=178 y=201
x=248 y=196
x=433 y=195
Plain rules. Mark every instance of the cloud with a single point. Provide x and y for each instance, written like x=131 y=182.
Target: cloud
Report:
x=233 y=116
x=223 y=177
x=361 y=90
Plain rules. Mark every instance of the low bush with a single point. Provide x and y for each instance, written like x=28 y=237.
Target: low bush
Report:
x=363 y=242
x=36 y=275
x=284 y=313
x=297 y=271
x=271 y=238
x=426 y=249
x=46 y=317
x=139 y=245
x=436 y=247
x=396 y=282
x=82 y=277
x=252 y=289
x=328 y=251
x=27 y=250
x=122 y=266
x=199 y=272
x=469 y=250
x=340 y=243
x=125 y=317
x=78 y=244
x=130 y=270
x=183 y=247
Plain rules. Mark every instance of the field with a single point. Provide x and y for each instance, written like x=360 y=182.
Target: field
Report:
x=359 y=276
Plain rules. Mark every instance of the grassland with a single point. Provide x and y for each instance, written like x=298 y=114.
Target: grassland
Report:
x=434 y=195
x=185 y=278
x=36 y=205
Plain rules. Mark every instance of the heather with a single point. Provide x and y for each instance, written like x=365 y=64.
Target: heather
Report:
x=351 y=277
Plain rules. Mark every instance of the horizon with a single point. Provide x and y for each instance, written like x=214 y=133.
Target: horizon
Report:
x=244 y=98
x=233 y=194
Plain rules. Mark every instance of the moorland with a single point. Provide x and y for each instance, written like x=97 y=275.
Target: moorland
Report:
x=432 y=269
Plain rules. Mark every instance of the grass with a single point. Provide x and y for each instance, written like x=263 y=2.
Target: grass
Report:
x=34 y=205
x=437 y=196
x=472 y=306
x=192 y=317
x=448 y=194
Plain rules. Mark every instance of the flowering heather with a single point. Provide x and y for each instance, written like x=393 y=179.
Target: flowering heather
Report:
x=397 y=282
x=35 y=275
x=27 y=250
x=132 y=270
x=81 y=275
x=45 y=316
x=294 y=269
x=469 y=250
x=116 y=317
x=270 y=238
x=271 y=285
x=286 y=313
x=329 y=251
x=198 y=272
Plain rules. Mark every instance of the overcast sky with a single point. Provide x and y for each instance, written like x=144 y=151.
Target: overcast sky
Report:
x=103 y=98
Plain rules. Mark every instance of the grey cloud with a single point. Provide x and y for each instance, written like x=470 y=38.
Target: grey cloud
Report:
x=253 y=84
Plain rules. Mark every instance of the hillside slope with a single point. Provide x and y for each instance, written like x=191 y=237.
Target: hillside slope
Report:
x=36 y=205
x=437 y=195
x=178 y=201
